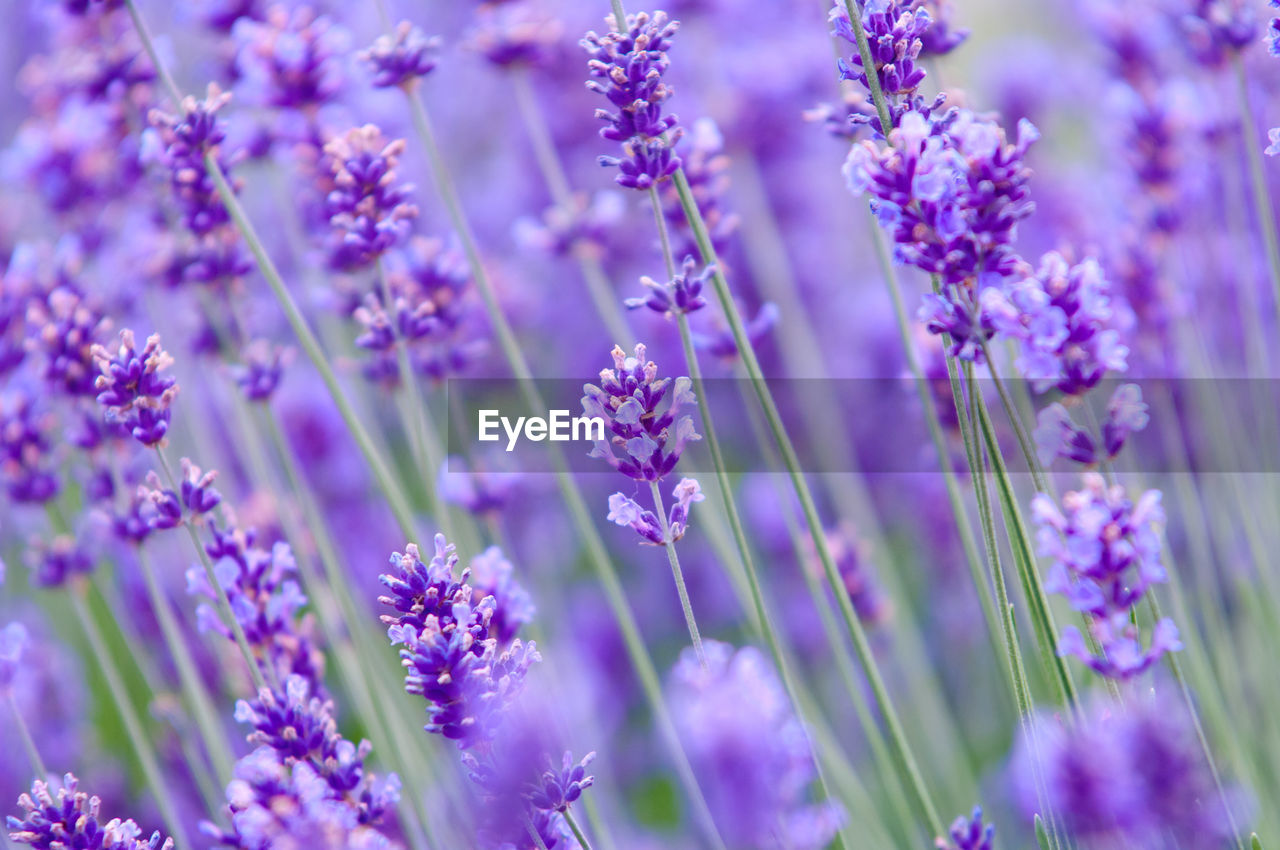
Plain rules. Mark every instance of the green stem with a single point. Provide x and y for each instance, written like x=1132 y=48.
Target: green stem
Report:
x=677 y=574
x=142 y=747
x=868 y=62
x=28 y=742
x=569 y=490
x=1258 y=179
x=1015 y=419
x=905 y=758
x=577 y=831
x=224 y=603
x=193 y=685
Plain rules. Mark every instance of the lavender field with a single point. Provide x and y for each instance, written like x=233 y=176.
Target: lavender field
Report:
x=563 y=425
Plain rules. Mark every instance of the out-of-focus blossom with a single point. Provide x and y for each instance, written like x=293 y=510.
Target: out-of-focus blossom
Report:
x=706 y=168
x=65 y=326
x=968 y=833
x=1124 y=778
x=402 y=57
x=259 y=376
x=132 y=389
x=516 y=33
x=289 y=60
x=742 y=737
x=56 y=561
x=1106 y=554
x=25 y=462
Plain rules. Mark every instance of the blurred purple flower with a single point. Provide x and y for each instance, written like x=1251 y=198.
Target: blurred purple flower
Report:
x=969 y=833
x=401 y=58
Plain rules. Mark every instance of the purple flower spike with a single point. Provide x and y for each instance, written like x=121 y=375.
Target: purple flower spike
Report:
x=132 y=388
x=401 y=58
x=969 y=833
x=1126 y=414
x=289 y=60
x=71 y=819
x=1056 y=435
x=13 y=639
x=25 y=462
x=626 y=512
x=54 y=563
x=1060 y=318
x=515 y=34
x=627 y=400
x=681 y=294
x=64 y=327
x=628 y=68
x=560 y=788
x=198 y=495
x=259 y=376
x=1106 y=553
x=183 y=141
x=368 y=207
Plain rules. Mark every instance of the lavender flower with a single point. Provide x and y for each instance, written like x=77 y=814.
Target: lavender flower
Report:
x=64 y=327
x=300 y=729
x=940 y=38
x=857 y=575
x=706 y=168
x=581 y=224
x=969 y=833
x=480 y=491
x=259 y=376
x=680 y=295
x=182 y=142
x=265 y=599
x=515 y=34
x=368 y=206
x=53 y=563
x=1106 y=554
x=560 y=788
x=1132 y=778
x=951 y=192
x=450 y=656
x=277 y=804
x=492 y=575
x=289 y=60
x=25 y=462
x=894 y=32
x=72 y=819
x=1060 y=318
x=626 y=512
x=1216 y=30
x=627 y=400
x=628 y=68
x=401 y=58
x=1056 y=434
x=133 y=390
x=742 y=737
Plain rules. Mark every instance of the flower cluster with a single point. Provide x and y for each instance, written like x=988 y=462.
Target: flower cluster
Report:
x=54 y=562
x=290 y=59
x=1060 y=318
x=1106 y=554
x=951 y=192
x=368 y=207
x=681 y=294
x=72 y=819
x=430 y=313
x=1130 y=778
x=450 y=657
x=627 y=512
x=183 y=141
x=515 y=34
x=857 y=575
x=628 y=400
x=300 y=729
x=401 y=58
x=1057 y=435
x=280 y=803
x=969 y=833
x=1216 y=30
x=627 y=68
x=25 y=465
x=706 y=168
x=133 y=389
x=263 y=367
x=895 y=35
x=265 y=600
x=740 y=732
x=64 y=327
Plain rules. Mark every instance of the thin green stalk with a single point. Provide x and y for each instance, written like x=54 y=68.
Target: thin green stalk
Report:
x=864 y=53
x=28 y=742
x=193 y=685
x=1258 y=179
x=552 y=169
x=1015 y=419
x=905 y=757
x=597 y=553
x=677 y=574
x=577 y=831
x=142 y=746
x=224 y=603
